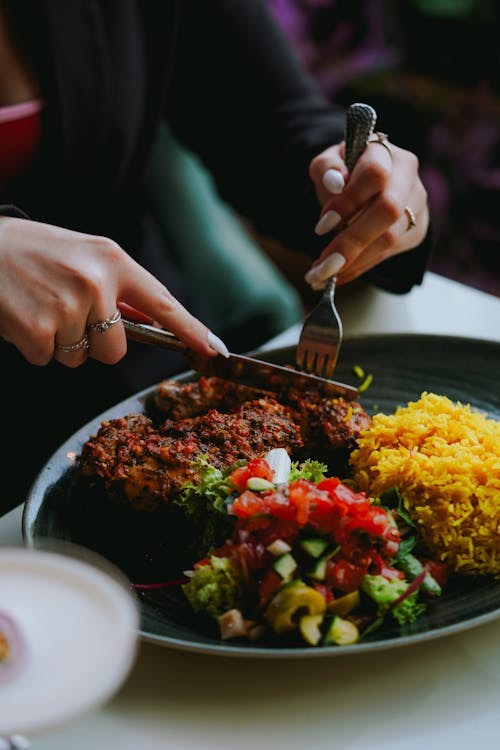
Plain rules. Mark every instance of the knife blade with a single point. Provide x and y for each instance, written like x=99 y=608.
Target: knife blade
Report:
x=237 y=367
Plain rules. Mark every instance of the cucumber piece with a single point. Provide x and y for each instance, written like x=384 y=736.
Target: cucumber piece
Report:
x=314 y=546
x=341 y=632
x=258 y=484
x=309 y=626
x=319 y=570
x=285 y=565
x=412 y=567
x=278 y=547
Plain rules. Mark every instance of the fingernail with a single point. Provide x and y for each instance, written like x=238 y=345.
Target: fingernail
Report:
x=316 y=284
x=327 y=222
x=329 y=267
x=217 y=344
x=333 y=181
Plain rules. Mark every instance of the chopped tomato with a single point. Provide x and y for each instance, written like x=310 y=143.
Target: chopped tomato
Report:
x=325 y=591
x=438 y=570
x=247 y=504
x=343 y=575
x=328 y=484
x=269 y=585
x=255 y=467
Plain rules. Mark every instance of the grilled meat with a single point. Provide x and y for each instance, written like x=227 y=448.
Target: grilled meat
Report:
x=145 y=467
x=180 y=400
x=324 y=422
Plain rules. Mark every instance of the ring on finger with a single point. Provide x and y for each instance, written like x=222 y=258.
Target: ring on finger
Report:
x=101 y=326
x=412 y=219
x=381 y=138
x=68 y=349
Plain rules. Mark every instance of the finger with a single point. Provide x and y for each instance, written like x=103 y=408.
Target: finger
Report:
x=71 y=348
x=370 y=177
x=379 y=213
x=106 y=335
x=131 y=313
x=328 y=173
x=144 y=292
x=399 y=237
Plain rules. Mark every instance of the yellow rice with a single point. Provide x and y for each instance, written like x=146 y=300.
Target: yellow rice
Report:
x=444 y=458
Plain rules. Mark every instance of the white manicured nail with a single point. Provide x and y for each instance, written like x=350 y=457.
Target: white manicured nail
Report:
x=316 y=284
x=333 y=181
x=217 y=344
x=327 y=222
x=316 y=276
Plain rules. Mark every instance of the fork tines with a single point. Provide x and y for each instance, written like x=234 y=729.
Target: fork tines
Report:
x=321 y=336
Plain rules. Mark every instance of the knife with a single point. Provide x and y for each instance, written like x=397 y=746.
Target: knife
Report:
x=237 y=367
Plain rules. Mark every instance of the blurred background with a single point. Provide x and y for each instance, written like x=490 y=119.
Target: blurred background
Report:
x=431 y=69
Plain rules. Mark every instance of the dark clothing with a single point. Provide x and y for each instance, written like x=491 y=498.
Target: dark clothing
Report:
x=223 y=76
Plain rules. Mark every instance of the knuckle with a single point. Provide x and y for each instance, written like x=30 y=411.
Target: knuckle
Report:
x=377 y=175
x=40 y=352
x=113 y=355
x=391 y=207
x=350 y=245
x=413 y=161
x=387 y=241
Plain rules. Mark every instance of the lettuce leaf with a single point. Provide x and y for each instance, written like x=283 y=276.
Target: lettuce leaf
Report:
x=204 y=506
x=311 y=470
x=214 y=588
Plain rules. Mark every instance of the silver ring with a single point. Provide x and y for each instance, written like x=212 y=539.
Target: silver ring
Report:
x=82 y=344
x=104 y=325
x=381 y=138
x=412 y=219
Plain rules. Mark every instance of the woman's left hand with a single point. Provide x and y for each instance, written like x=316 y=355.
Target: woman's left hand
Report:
x=378 y=211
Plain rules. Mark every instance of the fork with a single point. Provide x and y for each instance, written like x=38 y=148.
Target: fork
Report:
x=321 y=335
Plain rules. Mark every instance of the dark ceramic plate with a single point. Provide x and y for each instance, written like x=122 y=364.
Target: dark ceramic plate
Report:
x=403 y=366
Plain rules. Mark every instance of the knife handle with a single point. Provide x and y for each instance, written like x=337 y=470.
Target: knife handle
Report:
x=146 y=334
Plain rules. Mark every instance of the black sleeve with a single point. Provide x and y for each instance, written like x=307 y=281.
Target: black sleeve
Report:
x=242 y=101
x=7 y=209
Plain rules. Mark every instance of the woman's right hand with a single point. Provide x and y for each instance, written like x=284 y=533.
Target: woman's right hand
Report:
x=55 y=283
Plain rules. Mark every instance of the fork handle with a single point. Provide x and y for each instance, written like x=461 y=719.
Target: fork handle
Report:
x=360 y=122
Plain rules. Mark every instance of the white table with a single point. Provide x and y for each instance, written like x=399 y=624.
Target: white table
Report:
x=437 y=695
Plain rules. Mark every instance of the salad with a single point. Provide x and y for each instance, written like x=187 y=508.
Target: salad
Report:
x=295 y=556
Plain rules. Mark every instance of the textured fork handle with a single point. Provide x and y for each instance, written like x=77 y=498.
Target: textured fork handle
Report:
x=359 y=125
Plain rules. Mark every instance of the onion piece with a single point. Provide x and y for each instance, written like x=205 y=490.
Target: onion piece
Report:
x=280 y=463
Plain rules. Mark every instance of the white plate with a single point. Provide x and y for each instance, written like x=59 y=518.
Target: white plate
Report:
x=78 y=623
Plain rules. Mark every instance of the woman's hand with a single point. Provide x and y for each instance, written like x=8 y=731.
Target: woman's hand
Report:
x=55 y=283
x=378 y=211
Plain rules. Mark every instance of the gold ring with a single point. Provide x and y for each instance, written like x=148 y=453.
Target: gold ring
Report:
x=412 y=221
x=82 y=344
x=381 y=138
x=104 y=325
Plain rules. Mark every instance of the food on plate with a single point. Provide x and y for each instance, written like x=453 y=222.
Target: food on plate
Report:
x=324 y=422
x=144 y=465
x=444 y=459
x=284 y=547
x=308 y=560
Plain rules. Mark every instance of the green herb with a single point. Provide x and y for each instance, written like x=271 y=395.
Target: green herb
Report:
x=312 y=471
x=384 y=593
x=204 y=505
x=214 y=588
